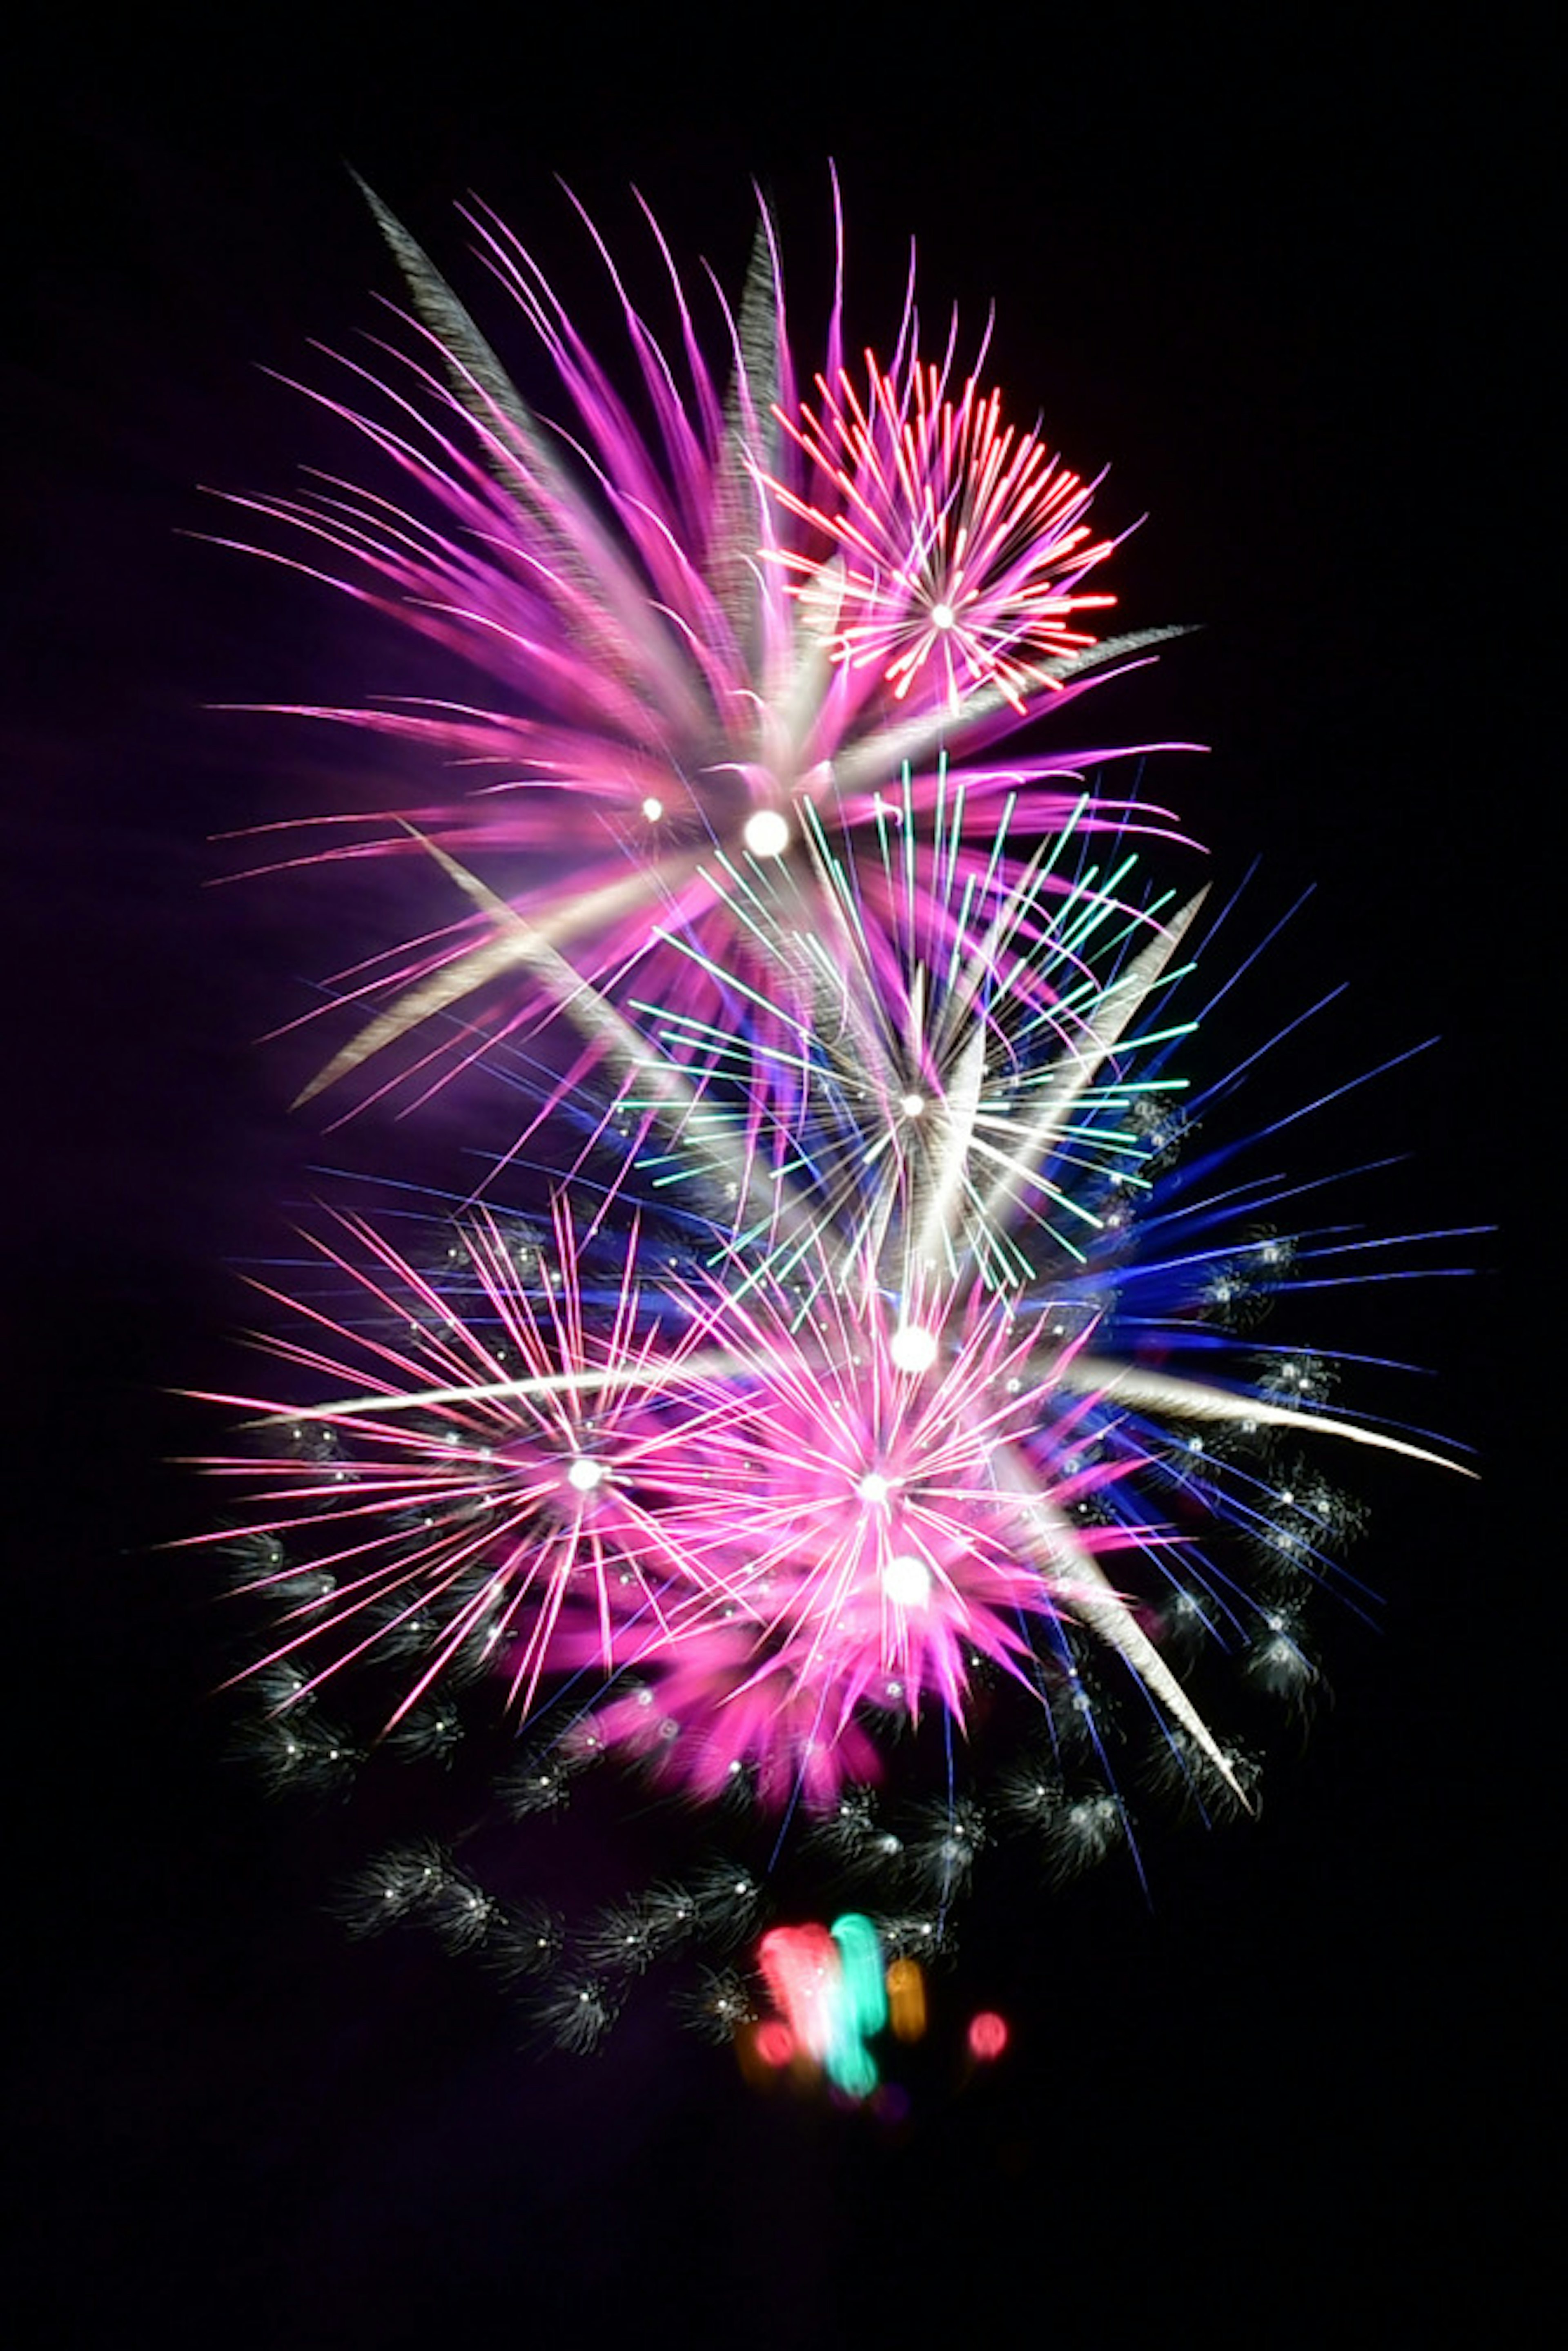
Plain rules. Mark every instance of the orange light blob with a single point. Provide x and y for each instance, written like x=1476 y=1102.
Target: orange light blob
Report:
x=907 y=2000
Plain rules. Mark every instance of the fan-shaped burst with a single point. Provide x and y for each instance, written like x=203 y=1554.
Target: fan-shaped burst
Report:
x=655 y=631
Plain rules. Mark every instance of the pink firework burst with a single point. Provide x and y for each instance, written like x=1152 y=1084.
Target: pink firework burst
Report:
x=873 y=1435
x=788 y=1511
x=885 y=1511
x=485 y=1468
x=663 y=682
x=959 y=541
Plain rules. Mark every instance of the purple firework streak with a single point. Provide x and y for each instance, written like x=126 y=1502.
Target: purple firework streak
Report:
x=879 y=1359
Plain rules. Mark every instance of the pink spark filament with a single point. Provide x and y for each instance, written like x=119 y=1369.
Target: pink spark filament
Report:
x=959 y=543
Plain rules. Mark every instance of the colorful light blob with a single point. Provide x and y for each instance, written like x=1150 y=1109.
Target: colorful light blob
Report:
x=827 y=1985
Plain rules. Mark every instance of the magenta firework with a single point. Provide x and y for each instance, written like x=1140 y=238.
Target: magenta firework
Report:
x=854 y=1379
x=680 y=661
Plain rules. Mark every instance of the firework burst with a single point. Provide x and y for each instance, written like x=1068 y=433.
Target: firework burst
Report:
x=882 y=1431
x=959 y=543
x=876 y=1370
x=662 y=702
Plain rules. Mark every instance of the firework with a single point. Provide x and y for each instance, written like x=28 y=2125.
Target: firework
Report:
x=960 y=544
x=874 y=1367
x=665 y=671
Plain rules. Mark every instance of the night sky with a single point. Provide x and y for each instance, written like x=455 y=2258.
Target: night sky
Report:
x=1276 y=285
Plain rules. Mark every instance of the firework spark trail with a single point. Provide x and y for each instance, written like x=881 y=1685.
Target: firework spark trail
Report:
x=881 y=1365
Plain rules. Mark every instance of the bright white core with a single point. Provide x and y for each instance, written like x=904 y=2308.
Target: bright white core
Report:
x=907 y=1580
x=766 y=833
x=912 y=1348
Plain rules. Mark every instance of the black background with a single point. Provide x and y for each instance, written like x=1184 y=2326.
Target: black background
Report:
x=1284 y=280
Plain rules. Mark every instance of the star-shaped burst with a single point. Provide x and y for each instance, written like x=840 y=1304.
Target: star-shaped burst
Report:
x=958 y=544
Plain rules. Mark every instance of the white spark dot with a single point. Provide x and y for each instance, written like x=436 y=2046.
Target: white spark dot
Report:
x=912 y=1105
x=652 y=808
x=907 y=1580
x=583 y=1473
x=913 y=1348
x=874 y=1487
x=767 y=833
x=943 y=616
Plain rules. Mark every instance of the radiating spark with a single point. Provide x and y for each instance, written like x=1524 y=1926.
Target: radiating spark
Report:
x=960 y=543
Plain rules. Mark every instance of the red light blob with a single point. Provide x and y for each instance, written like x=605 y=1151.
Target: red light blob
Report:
x=775 y=2043
x=988 y=2035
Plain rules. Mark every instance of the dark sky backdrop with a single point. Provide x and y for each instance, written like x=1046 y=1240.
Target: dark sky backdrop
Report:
x=1276 y=283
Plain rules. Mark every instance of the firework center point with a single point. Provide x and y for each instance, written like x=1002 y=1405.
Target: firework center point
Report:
x=943 y=616
x=907 y=1580
x=912 y=1348
x=912 y=1105
x=652 y=808
x=767 y=833
x=583 y=1473
x=874 y=1487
